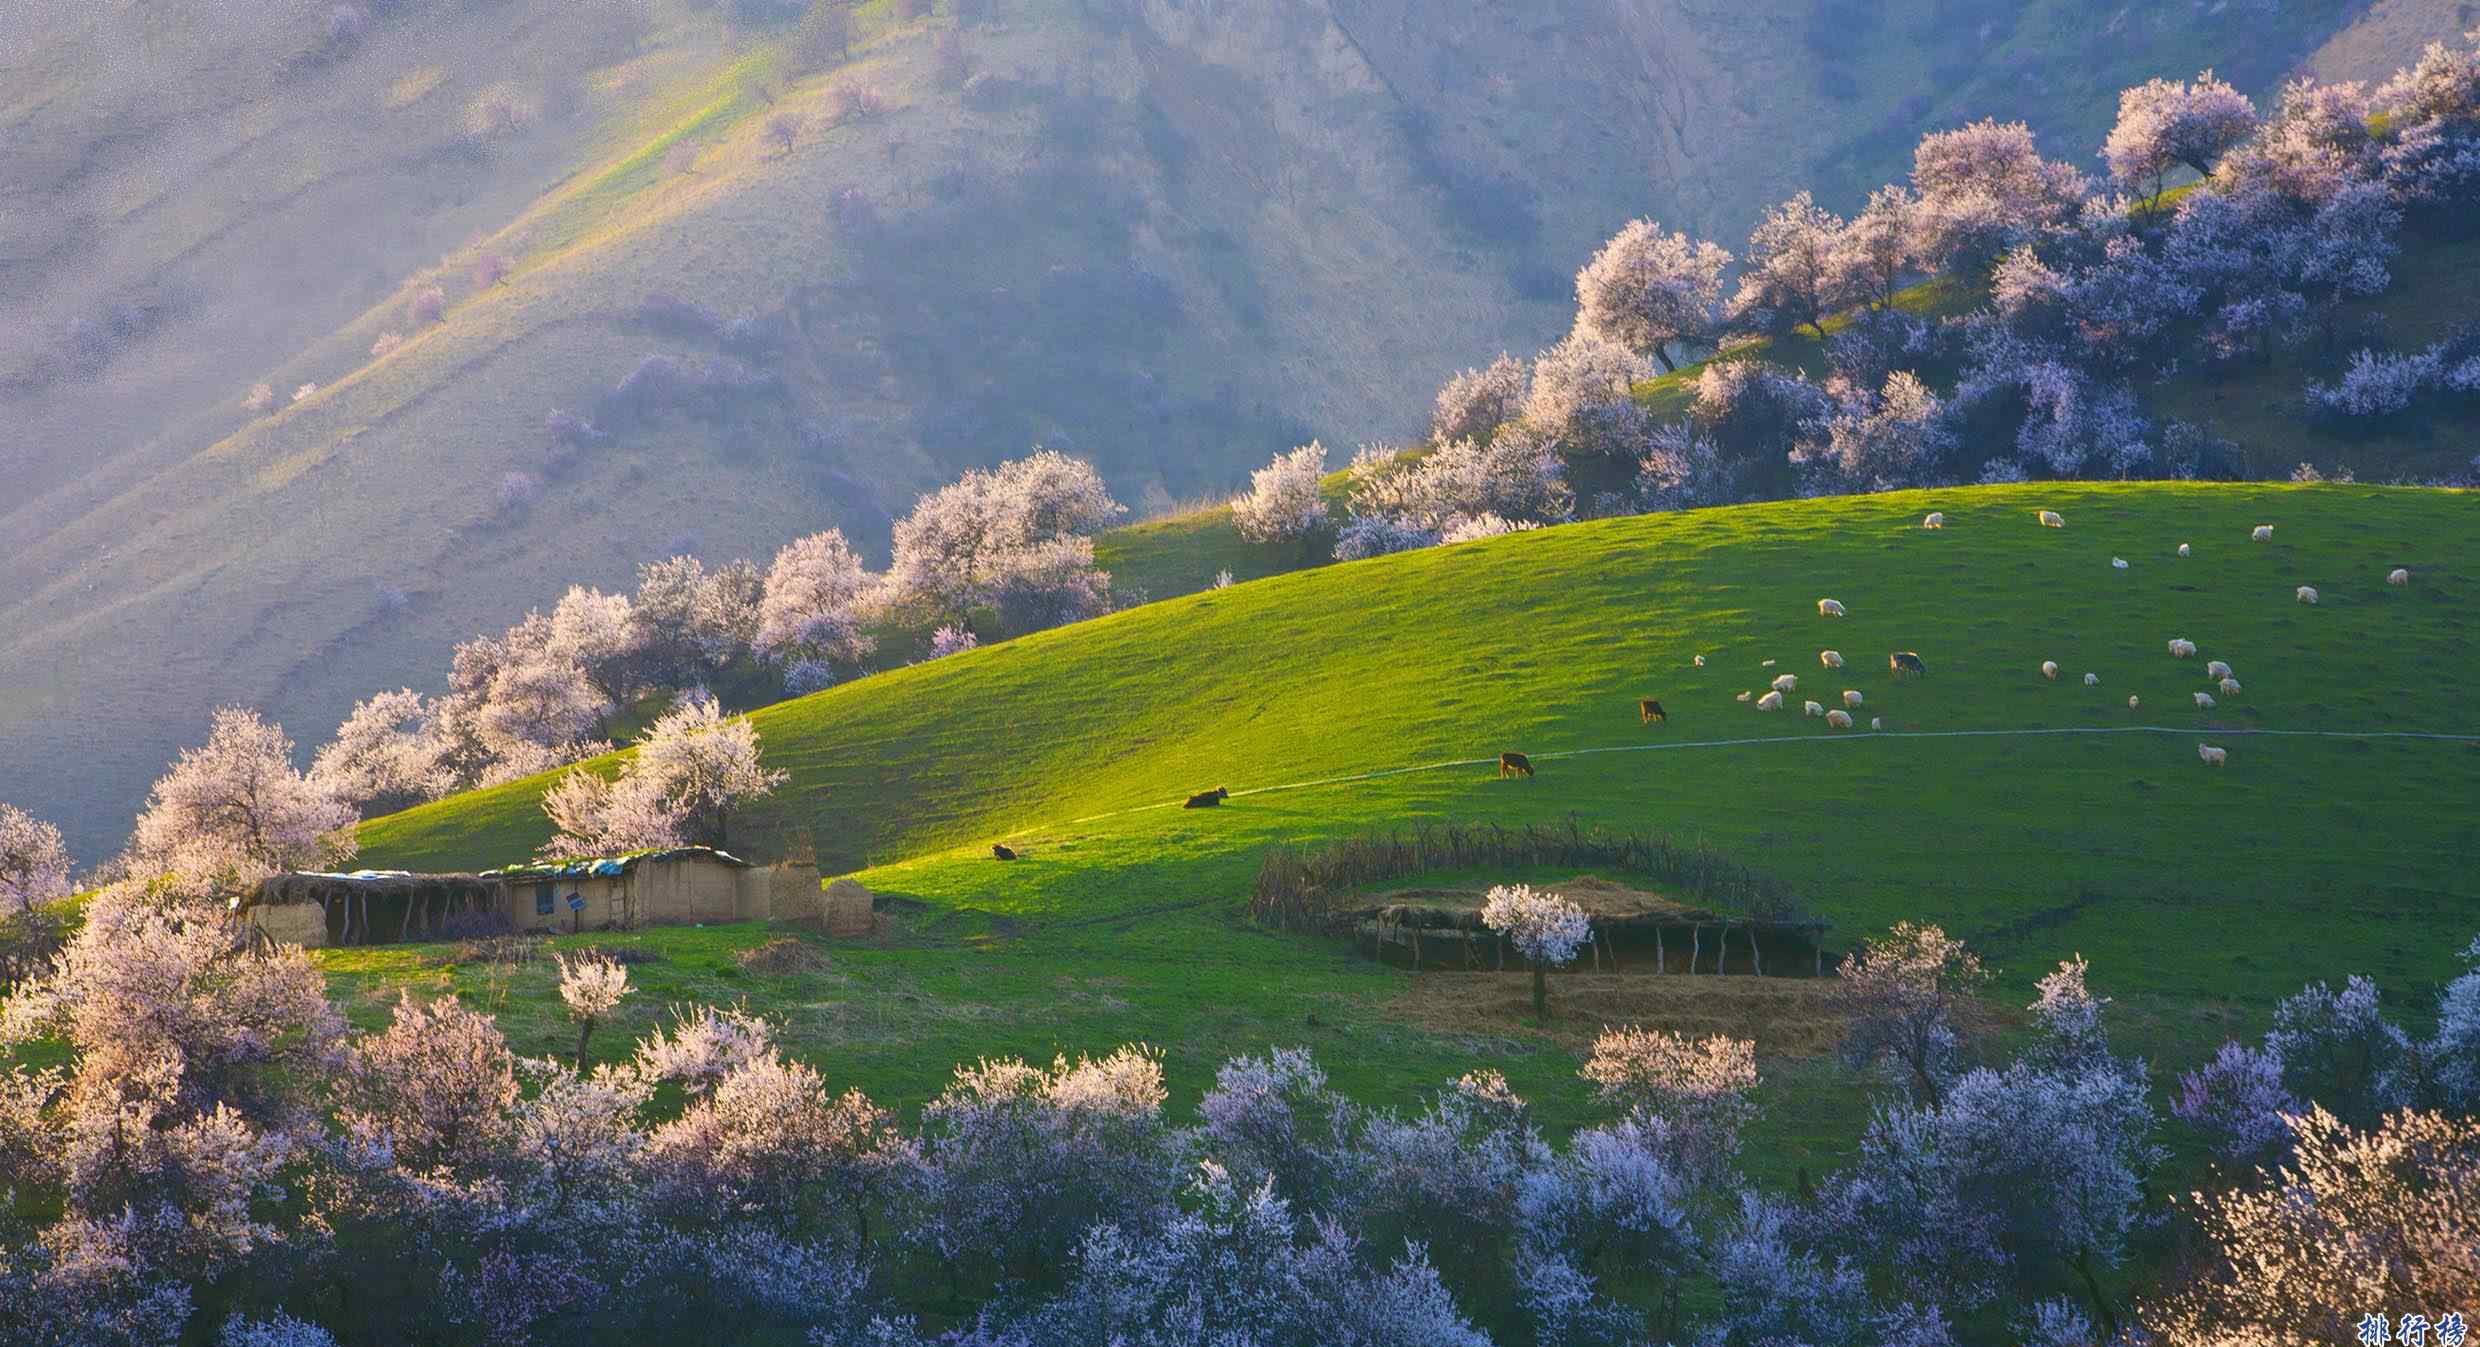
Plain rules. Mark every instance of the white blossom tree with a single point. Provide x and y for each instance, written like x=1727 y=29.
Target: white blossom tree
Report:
x=592 y=987
x=1906 y=996
x=1583 y=395
x=1875 y=250
x=1010 y=538
x=235 y=810
x=594 y=631
x=387 y=755
x=1545 y=928
x=1283 y=499
x=1647 y=290
x=1475 y=403
x=593 y=816
x=34 y=862
x=818 y=598
x=1700 y=1092
x=705 y=764
x=1791 y=269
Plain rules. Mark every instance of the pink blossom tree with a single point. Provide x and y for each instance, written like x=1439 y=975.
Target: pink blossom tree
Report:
x=1874 y=251
x=1700 y=1092
x=1012 y=538
x=1906 y=996
x=1648 y=291
x=1983 y=189
x=592 y=987
x=593 y=816
x=34 y=862
x=705 y=764
x=1584 y=395
x=235 y=810
x=2164 y=125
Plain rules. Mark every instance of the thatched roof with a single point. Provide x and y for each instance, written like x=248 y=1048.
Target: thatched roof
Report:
x=1613 y=907
x=311 y=886
x=610 y=867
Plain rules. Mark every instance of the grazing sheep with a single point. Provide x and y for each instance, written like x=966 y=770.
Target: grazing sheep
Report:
x=1700 y=661
x=1934 y=520
x=2307 y=594
x=1829 y=608
x=1511 y=763
x=1648 y=711
x=2213 y=757
x=2217 y=669
x=2262 y=533
x=2049 y=670
x=1743 y=696
x=1786 y=682
x=1811 y=709
x=1001 y=852
x=1877 y=722
x=2230 y=687
x=1832 y=659
x=2092 y=680
x=2398 y=576
x=1765 y=664
x=2204 y=701
x=1771 y=701
x=1906 y=664
x=2132 y=703
x=2051 y=519
x=2118 y=563
x=2182 y=648
x=1838 y=720
x=1852 y=698
x=1208 y=799
x=2182 y=549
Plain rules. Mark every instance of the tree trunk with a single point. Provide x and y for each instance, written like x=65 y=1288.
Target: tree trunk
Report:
x=1668 y=366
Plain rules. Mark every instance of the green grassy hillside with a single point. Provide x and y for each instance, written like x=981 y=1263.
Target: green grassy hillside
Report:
x=1169 y=239
x=2199 y=895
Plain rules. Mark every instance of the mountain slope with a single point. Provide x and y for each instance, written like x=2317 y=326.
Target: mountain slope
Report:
x=1070 y=743
x=1171 y=238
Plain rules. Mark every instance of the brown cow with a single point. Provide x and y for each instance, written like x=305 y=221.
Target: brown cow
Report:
x=1651 y=711
x=1209 y=799
x=1001 y=851
x=1511 y=763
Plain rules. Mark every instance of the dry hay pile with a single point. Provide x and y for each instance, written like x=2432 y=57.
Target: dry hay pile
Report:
x=783 y=956
x=1788 y=1017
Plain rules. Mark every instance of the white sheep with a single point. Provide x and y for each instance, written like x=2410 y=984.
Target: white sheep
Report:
x=2230 y=687
x=1852 y=698
x=1786 y=682
x=1877 y=722
x=2217 y=669
x=2398 y=576
x=1832 y=659
x=1829 y=608
x=1811 y=709
x=2213 y=757
x=1934 y=520
x=1771 y=701
x=1743 y=696
x=2182 y=549
x=2092 y=680
x=1700 y=661
x=2051 y=519
x=2262 y=533
x=2204 y=701
x=2133 y=703
x=2118 y=563
x=2182 y=648
x=2049 y=670
x=1765 y=664
x=2307 y=594
x=1838 y=720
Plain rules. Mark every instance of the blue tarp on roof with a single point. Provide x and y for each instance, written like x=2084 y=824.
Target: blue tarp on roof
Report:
x=609 y=867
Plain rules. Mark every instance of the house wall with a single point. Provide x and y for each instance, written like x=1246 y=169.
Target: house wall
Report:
x=303 y=924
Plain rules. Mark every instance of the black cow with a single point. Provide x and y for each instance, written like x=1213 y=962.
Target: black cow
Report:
x=1906 y=664
x=1511 y=763
x=1001 y=851
x=1650 y=711
x=1208 y=799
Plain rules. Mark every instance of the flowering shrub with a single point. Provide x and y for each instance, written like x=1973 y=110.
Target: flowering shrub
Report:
x=1546 y=929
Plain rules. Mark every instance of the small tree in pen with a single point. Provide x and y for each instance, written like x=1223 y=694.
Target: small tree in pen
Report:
x=593 y=987
x=1547 y=930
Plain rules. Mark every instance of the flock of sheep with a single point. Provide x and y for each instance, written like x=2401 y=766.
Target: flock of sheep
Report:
x=2224 y=679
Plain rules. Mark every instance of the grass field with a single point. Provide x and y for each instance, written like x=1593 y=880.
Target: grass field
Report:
x=2199 y=896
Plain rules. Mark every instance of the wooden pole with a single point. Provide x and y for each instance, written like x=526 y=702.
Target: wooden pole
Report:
x=1696 y=947
x=1657 y=949
x=1756 y=961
